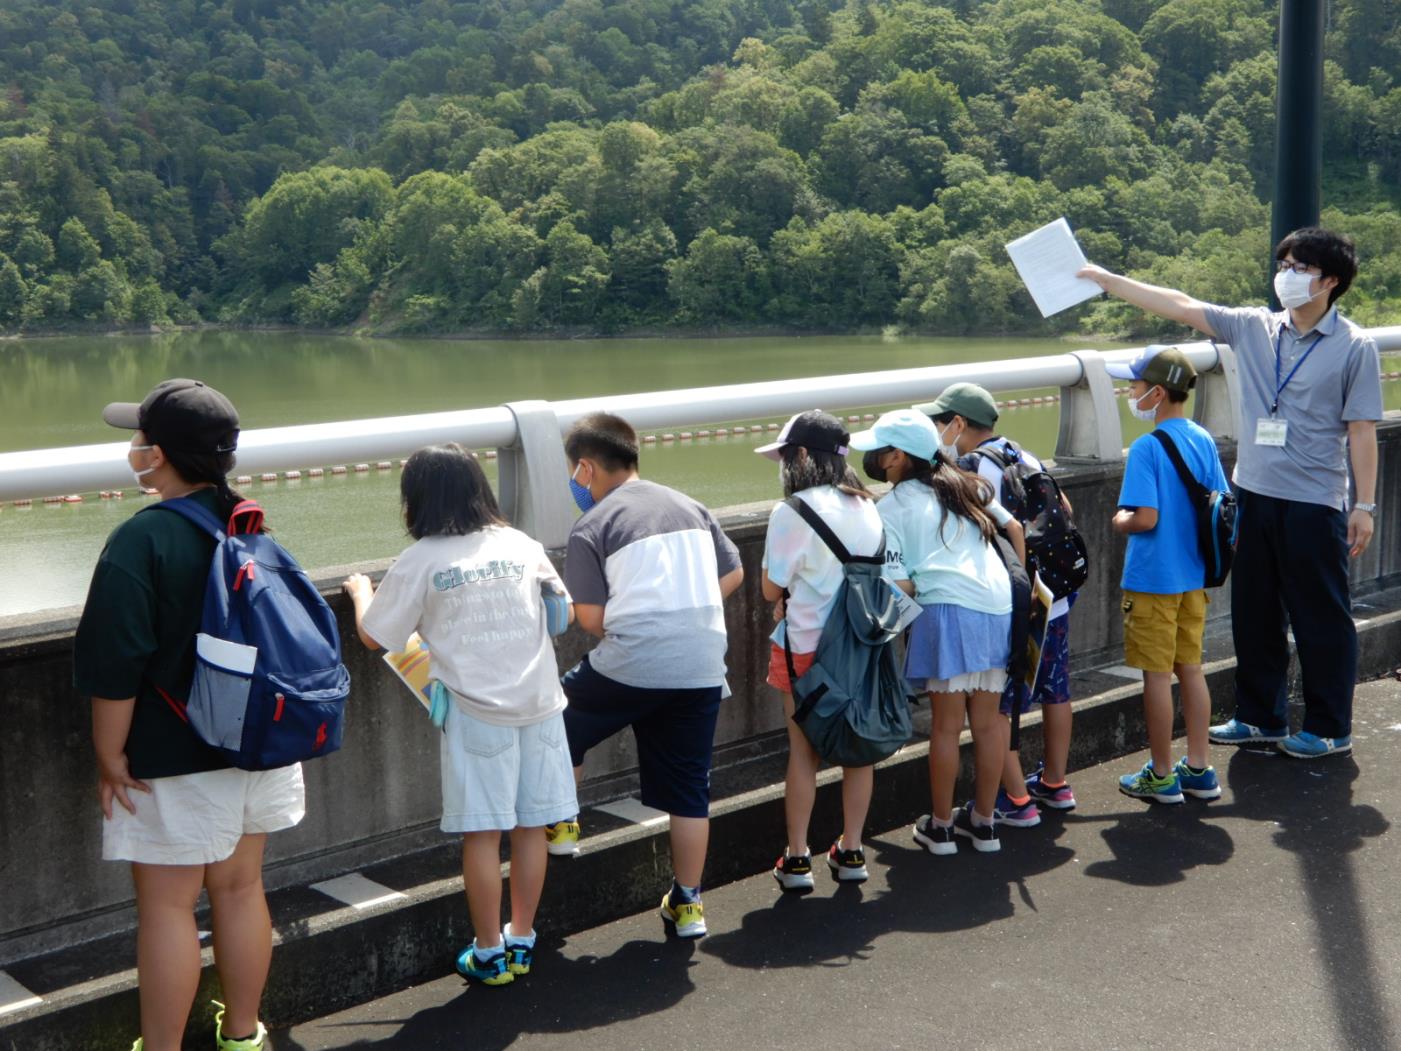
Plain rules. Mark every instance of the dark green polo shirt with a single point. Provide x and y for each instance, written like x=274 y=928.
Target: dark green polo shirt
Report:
x=138 y=630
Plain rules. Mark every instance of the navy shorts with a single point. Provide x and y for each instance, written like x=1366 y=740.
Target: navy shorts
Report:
x=1053 y=678
x=675 y=732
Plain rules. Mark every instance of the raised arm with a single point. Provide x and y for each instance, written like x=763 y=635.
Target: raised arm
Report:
x=1164 y=302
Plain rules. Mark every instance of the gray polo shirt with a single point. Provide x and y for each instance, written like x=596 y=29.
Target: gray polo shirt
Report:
x=1338 y=382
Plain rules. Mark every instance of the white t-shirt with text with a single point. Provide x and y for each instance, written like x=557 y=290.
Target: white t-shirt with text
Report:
x=475 y=601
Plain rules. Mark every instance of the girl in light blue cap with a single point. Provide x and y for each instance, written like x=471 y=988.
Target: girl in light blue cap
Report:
x=939 y=525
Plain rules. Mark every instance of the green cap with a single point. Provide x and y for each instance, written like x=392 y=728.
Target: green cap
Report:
x=968 y=400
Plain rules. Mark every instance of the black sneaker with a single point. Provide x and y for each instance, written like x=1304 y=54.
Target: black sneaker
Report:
x=794 y=873
x=984 y=837
x=848 y=866
x=937 y=839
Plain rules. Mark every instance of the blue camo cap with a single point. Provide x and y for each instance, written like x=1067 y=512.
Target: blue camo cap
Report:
x=1158 y=366
x=909 y=430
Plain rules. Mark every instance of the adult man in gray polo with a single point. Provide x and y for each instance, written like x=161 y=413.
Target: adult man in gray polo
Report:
x=1310 y=396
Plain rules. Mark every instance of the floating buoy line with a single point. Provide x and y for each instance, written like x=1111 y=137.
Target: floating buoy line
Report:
x=663 y=438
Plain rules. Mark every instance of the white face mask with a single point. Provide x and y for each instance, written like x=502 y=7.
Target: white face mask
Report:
x=948 y=448
x=1136 y=406
x=139 y=475
x=1292 y=289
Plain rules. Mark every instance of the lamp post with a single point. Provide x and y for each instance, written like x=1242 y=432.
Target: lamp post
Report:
x=1298 y=134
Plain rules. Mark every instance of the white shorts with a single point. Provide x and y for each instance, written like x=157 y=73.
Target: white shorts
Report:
x=198 y=819
x=991 y=681
x=501 y=777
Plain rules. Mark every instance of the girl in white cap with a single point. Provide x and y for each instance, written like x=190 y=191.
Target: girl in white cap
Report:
x=811 y=452
x=939 y=526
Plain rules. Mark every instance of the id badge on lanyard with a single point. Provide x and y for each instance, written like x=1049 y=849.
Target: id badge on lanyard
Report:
x=1271 y=431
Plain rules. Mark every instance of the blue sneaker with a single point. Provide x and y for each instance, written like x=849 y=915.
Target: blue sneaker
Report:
x=1008 y=813
x=493 y=971
x=1304 y=745
x=1203 y=785
x=1145 y=784
x=1237 y=732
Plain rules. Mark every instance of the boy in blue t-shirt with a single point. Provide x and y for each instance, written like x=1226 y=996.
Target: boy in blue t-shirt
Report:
x=1164 y=598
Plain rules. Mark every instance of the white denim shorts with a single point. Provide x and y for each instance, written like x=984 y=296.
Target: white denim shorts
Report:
x=198 y=819
x=501 y=777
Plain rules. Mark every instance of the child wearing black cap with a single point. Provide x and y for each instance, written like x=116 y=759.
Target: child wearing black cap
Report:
x=184 y=818
x=802 y=577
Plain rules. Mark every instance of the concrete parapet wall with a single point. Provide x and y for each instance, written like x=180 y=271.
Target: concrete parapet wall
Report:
x=379 y=796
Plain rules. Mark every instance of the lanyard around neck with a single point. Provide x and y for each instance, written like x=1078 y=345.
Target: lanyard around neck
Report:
x=1279 y=387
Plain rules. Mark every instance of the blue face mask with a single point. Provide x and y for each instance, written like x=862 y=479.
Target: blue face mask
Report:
x=580 y=492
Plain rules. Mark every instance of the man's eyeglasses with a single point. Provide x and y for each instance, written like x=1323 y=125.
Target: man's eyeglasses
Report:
x=1298 y=268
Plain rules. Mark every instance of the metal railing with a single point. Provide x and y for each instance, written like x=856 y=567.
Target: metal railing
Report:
x=528 y=434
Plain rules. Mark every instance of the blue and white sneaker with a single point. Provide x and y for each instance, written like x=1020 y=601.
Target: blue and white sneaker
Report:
x=1237 y=732
x=1304 y=745
x=1202 y=785
x=1145 y=784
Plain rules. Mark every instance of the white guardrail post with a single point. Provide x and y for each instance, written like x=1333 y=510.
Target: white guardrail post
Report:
x=533 y=475
x=1089 y=416
x=1217 y=406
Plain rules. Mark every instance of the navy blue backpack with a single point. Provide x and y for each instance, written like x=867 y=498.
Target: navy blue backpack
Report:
x=269 y=688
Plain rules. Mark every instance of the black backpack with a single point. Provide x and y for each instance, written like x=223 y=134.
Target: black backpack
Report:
x=851 y=703
x=1019 y=664
x=1055 y=550
x=1215 y=513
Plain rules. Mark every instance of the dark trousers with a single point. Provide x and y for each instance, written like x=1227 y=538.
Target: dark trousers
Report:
x=1291 y=569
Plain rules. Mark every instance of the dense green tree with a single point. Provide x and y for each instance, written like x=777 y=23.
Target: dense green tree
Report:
x=480 y=164
x=722 y=278
x=13 y=293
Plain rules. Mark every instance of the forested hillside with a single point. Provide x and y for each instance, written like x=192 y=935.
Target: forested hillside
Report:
x=603 y=165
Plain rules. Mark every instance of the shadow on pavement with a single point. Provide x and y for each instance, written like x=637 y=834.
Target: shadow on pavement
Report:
x=485 y=1019
x=924 y=894
x=1311 y=800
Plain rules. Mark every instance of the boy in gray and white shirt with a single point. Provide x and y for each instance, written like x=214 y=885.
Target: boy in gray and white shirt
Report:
x=649 y=570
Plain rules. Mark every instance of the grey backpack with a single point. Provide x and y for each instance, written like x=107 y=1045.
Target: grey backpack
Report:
x=851 y=703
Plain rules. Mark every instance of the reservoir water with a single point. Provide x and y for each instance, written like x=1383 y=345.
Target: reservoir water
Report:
x=52 y=392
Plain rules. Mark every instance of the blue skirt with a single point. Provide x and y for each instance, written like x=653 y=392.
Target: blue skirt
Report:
x=948 y=640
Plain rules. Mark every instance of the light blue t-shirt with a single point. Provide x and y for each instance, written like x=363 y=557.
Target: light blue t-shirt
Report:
x=1166 y=559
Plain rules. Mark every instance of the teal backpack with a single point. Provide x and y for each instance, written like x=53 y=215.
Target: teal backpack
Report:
x=851 y=703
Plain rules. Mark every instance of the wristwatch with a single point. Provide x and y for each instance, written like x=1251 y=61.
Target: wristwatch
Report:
x=1371 y=509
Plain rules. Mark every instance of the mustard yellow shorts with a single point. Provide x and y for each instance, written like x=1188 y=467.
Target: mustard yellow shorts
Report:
x=1163 y=630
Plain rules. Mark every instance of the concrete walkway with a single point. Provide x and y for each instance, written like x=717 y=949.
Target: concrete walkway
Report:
x=1268 y=919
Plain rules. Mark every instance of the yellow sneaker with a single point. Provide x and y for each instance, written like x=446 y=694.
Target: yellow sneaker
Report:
x=562 y=838
x=688 y=917
x=256 y=1042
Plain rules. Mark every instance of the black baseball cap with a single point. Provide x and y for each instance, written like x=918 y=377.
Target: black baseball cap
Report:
x=815 y=430
x=180 y=414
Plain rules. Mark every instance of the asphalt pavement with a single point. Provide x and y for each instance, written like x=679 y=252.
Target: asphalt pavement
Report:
x=1270 y=918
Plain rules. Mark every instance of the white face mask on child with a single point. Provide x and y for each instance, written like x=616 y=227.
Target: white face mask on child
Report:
x=949 y=449
x=1136 y=406
x=139 y=475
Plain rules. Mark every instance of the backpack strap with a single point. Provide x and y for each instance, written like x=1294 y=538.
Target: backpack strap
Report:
x=824 y=532
x=193 y=511
x=1198 y=492
x=247 y=517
